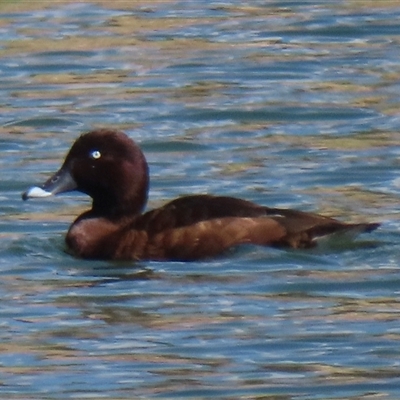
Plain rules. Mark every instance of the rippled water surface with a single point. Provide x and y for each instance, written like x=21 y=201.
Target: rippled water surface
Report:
x=287 y=103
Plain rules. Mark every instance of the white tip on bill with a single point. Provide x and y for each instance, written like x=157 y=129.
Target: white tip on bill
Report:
x=36 y=191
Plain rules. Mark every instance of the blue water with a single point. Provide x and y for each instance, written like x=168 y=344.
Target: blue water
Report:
x=289 y=104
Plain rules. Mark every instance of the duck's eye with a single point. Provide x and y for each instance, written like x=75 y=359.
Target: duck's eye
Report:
x=95 y=154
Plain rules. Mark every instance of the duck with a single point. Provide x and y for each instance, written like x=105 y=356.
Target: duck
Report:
x=107 y=165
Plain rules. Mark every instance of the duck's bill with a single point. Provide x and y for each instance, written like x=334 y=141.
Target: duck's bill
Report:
x=60 y=182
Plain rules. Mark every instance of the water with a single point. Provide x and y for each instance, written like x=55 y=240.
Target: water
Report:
x=290 y=104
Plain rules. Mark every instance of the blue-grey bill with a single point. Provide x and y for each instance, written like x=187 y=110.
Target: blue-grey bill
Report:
x=60 y=182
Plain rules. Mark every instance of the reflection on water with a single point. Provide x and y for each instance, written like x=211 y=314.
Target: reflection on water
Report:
x=290 y=104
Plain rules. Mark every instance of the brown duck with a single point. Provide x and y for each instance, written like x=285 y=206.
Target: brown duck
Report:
x=110 y=167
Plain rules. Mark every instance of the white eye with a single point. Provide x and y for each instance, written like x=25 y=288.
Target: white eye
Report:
x=95 y=154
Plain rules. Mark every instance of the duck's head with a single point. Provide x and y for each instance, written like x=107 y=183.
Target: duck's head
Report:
x=106 y=165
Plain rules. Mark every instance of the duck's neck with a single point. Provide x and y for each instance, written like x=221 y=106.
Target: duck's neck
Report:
x=124 y=194
x=108 y=208
x=125 y=203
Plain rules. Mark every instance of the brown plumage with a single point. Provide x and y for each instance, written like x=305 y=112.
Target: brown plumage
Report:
x=111 y=168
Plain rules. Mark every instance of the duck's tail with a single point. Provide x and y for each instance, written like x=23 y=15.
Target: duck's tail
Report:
x=307 y=230
x=340 y=235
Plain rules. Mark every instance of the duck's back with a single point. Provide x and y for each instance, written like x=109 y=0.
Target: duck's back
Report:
x=202 y=226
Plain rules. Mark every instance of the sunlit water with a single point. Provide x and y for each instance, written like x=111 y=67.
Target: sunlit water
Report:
x=290 y=104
